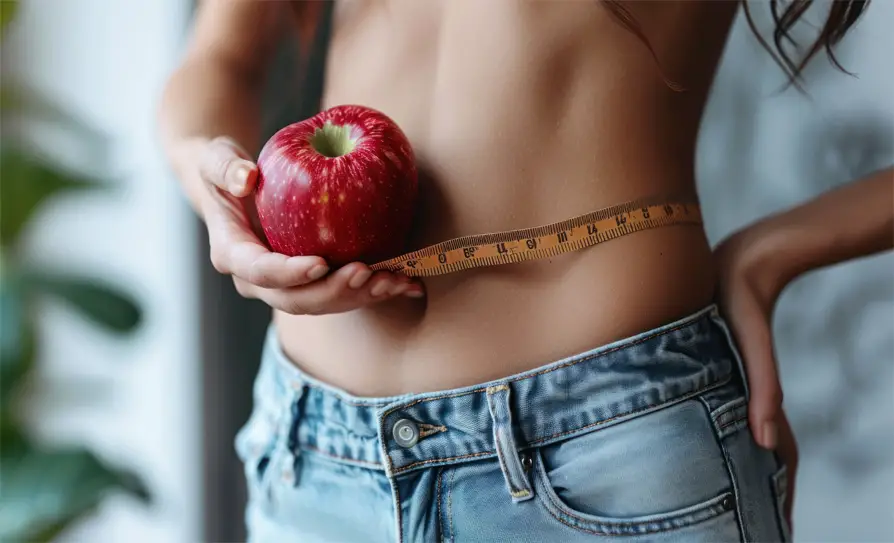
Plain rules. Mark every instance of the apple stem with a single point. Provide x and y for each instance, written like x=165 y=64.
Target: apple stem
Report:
x=332 y=140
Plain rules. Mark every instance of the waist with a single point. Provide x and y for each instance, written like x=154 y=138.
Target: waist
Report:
x=555 y=401
x=487 y=323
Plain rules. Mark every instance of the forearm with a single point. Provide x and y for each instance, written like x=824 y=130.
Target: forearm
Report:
x=206 y=98
x=849 y=222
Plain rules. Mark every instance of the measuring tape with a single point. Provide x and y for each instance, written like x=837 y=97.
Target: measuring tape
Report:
x=542 y=241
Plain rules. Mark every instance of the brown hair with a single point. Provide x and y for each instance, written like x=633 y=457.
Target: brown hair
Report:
x=843 y=14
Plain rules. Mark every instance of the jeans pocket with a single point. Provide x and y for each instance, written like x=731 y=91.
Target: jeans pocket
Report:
x=657 y=472
x=779 y=483
x=633 y=525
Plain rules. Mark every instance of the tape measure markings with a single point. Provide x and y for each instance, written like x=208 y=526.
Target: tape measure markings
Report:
x=544 y=241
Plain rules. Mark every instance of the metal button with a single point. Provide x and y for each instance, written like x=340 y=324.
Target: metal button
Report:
x=727 y=503
x=406 y=433
x=526 y=461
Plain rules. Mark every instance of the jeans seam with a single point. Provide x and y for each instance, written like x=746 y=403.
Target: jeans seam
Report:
x=729 y=423
x=622 y=526
x=543 y=372
x=434 y=460
x=513 y=490
x=682 y=397
x=779 y=500
x=450 y=504
x=397 y=514
x=439 y=497
x=559 y=434
x=728 y=464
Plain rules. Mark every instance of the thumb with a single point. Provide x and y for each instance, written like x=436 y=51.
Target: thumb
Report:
x=225 y=164
x=754 y=335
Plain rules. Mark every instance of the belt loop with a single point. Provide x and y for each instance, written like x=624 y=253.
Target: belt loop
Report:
x=291 y=468
x=507 y=451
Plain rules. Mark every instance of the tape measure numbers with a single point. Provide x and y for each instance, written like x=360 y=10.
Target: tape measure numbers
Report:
x=543 y=241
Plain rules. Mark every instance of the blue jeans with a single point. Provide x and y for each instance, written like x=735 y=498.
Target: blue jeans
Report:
x=645 y=439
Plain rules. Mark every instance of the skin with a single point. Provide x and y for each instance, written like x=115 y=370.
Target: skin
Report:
x=520 y=113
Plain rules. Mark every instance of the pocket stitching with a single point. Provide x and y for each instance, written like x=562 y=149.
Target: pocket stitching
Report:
x=636 y=412
x=779 y=486
x=612 y=527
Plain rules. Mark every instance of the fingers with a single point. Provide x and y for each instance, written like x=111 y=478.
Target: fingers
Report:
x=752 y=327
x=227 y=166
x=348 y=288
x=254 y=263
x=788 y=451
x=235 y=250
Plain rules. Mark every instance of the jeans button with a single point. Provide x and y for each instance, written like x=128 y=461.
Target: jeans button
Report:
x=527 y=461
x=728 y=503
x=406 y=433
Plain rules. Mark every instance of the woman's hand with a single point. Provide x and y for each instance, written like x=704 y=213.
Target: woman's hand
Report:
x=755 y=264
x=296 y=285
x=749 y=287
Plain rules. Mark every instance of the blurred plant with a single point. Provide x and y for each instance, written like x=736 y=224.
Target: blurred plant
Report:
x=44 y=488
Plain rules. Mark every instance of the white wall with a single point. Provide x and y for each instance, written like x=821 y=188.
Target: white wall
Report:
x=107 y=60
x=761 y=152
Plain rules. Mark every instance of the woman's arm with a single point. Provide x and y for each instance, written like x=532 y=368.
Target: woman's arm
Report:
x=216 y=89
x=209 y=123
x=849 y=222
x=757 y=263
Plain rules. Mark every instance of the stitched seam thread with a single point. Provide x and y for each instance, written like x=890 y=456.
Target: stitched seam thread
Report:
x=433 y=460
x=503 y=461
x=540 y=440
x=549 y=370
x=439 y=497
x=731 y=422
x=622 y=526
x=634 y=412
x=397 y=513
x=629 y=528
x=731 y=471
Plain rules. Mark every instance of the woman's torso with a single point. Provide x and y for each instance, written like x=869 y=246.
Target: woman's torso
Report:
x=522 y=113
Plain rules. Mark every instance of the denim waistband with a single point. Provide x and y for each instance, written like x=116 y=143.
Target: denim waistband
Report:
x=562 y=399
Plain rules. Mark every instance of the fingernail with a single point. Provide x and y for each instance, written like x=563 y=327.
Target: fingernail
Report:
x=360 y=278
x=414 y=293
x=379 y=288
x=398 y=289
x=768 y=435
x=241 y=180
x=317 y=271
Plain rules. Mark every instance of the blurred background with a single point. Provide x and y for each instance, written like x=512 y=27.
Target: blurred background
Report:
x=127 y=361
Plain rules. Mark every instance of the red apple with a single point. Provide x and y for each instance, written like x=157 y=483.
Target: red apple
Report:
x=341 y=185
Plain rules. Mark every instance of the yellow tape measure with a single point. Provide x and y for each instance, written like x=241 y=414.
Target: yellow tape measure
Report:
x=543 y=241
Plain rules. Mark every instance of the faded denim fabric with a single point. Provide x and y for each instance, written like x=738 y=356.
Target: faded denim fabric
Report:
x=645 y=439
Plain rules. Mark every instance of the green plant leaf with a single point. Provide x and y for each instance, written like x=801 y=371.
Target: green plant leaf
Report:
x=27 y=181
x=17 y=339
x=8 y=9
x=43 y=491
x=102 y=303
x=18 y=99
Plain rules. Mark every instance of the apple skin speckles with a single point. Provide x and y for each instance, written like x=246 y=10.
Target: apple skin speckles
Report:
x=360 y=204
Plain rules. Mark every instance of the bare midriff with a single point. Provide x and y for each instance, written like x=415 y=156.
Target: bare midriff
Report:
x=522 y=114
